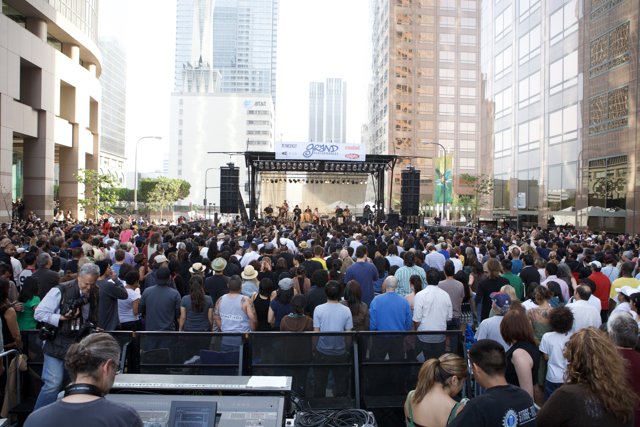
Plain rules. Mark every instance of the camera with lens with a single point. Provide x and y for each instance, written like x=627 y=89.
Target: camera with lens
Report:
x=71 y=307
x=47 y=332
x=86 y=329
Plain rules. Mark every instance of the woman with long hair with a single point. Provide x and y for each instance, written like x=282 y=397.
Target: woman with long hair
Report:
x=596 y=391
x=28 y=300
x=196 y=309
x=523 y=357
x=431 y=403
x=261 y=303
x=10 y=328
x=359 y=310
x=415 y=285
x=564 y=273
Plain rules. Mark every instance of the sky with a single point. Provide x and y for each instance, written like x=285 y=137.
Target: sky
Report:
x=317 y=39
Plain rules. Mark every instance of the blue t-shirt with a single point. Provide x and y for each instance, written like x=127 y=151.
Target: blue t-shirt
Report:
x=365 y=274
x=279 y=310
x=332 y=317
x=390 y=312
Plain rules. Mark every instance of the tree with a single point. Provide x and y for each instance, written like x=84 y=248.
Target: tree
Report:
x=482 y=186
x=100 y=191
x=166 y=192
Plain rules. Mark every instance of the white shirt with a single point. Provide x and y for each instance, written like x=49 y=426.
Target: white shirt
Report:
x=435 y=259
x=552 y=344
x=395 y=260
x=563 y=285
x=248 y=257
x=457 y=264
x=584 y=315
x=431 y=309
x=593 y=300
x=529 y=304
x=17 y=269
x=490 y=329
x=622 y=306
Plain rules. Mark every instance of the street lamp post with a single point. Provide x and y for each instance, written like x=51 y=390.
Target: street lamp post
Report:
x=444 y=179
x=206 y=187
x=135 y=173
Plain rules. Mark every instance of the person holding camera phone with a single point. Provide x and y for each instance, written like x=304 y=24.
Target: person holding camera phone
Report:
x=66 y=310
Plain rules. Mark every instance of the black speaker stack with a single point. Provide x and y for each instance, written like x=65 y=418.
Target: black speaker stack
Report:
x=229 y=186
x=410 y=195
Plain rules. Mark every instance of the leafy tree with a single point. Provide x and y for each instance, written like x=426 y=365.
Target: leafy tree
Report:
x=165 y=193
x=482 y=186
x=147 y=185
x=100 y=191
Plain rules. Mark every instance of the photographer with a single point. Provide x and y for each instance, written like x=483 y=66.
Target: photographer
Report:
x=92 y=364
x=64 y=310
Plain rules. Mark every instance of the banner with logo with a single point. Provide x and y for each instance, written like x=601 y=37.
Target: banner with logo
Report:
x=443 y=178
x=320 y=151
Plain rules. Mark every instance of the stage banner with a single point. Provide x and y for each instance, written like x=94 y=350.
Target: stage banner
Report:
x=320 y=151
x=443 y=166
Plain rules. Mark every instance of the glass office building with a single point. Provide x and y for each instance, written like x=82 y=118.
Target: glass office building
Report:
x=559 y=110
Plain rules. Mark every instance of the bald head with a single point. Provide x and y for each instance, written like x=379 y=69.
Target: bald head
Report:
x=390 y=284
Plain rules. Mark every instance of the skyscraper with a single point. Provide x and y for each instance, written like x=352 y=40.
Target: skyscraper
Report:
x=425 y=89
x=316 y=111
x=560 y=80
x=114 y=109
x=335 y=117
x=244 y=45
x=328 y=111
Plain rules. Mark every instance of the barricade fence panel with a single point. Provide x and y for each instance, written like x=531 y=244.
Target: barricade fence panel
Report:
x=328 y=370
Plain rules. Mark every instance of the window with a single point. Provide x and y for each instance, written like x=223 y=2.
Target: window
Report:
x=426 y=54
x=447 y=109
x=425 y=90
x=502 y=143
x=468 y=57
x=467 y=163
x=563 y=125
x=563 y=73
x=503 y=101
x=468 y=75
x=467 y=110
x=529 y=90
x=426 y=38
x=425 y=108
x=446 y=127
x=468 y=5
x=425 y=125
x=426 y=72
x=527 y=7
x=503 y=23
x=563 y=22
x=609 y=111
x=503 y=62
x=530 y=45
x=467 y=128
x=467 y=145
x=448 y=4
x=468 y=23
x=446 y=56
x=447 y=91
x=426 y=20
x=529 y=135
x=448 y=21
x=468 y=92
x=447 y=73
x=610 y=50
x=468 y=40
x=447 y=38
x=561 y=186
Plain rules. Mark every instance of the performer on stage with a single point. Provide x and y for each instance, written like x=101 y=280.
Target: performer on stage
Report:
x=268 y=213
x=316 y=215
x=347 y=214
x=307 y=216
x=339 y=215
x=367 y=215
x=297 y=212
x=284 y=211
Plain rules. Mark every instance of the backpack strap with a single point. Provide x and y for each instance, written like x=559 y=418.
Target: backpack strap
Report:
x=410 y=422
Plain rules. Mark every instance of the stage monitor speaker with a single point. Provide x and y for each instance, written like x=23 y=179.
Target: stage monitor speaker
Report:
x=410 y=195
x=229 y=187
x=393 y=220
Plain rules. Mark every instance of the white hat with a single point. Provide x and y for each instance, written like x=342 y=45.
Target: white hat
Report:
x=627 y=290
x=160 y=259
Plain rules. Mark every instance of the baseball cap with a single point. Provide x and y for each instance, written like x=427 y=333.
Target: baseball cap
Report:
x=502 y=300
x=285 y=284
x=596 y=265
x=627 y=290
x=160 y=259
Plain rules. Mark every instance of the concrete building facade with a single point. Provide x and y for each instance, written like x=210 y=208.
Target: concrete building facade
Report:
x=426 y=89
x=49 y=102
x=316 y=111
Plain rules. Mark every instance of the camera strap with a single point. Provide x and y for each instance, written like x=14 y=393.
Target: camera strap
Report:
x=83 y=388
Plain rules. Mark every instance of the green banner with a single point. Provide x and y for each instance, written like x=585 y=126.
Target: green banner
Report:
x=443 y=176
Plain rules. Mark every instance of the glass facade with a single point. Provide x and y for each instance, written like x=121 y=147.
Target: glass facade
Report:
x=559 y=80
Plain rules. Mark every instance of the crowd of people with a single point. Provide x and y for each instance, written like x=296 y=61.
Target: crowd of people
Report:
x=537 y=299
